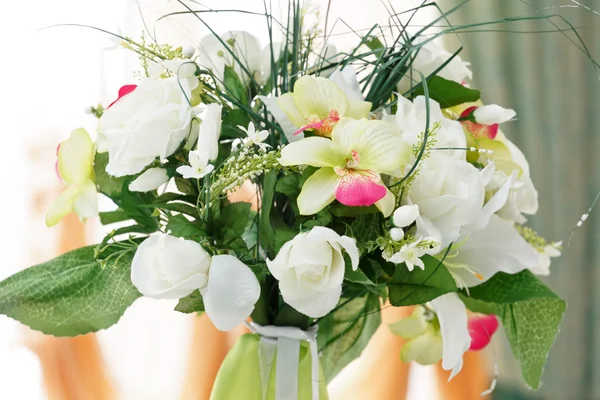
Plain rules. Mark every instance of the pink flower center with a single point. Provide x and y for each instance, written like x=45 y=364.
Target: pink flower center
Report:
x=478 y=130
x=481 y=329
x=321 y=127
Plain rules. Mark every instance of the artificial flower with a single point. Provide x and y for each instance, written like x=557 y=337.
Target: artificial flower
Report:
x=166 y=267
x=239 y=50
x=409 y=254
x=256 y=137
x=411 y=117
x=397 y=234
x=429 y=56
x=199 y=166
x=150 y=179
x=481 y=329
x=439 y=333
x=75 y=167
x=350 y=165
x=449 y=193
x=317 y=104
x=405 y=215
x=544 y=260
x=150 y=122
x=482 y=121
x=210 y=130
x=310 y=270
x=498 y=247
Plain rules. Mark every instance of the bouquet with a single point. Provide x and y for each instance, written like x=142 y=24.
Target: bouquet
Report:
x=379 y=177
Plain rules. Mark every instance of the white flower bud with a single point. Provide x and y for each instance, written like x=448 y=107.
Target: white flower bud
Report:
x=405 y=215
x=188 y=51
x=151 y=179
x=493 y=114
x=397 y=234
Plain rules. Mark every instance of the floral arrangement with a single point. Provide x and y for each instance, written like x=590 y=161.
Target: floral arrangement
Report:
x=380 y=177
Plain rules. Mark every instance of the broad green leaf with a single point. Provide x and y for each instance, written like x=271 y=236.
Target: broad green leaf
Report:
x=183 y=208
x=235 y=216
x=356 y=276
x=180 y=226
x=191 y=303
x=110 y=217
x=323 y=218
x=231 y=121
x=186 y=186
x=366 y=229
x=233 y=85
x=345 y=332
x=530 y=312
x=375 y=44
x=288 y=316
x=420 y=286
x=447 y=93
x=70 y=295
x=289 y=185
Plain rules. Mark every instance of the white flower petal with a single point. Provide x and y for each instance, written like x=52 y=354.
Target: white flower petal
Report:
x=405 y=215
x=151 y=179
x=283 y=120
x=493 y=114
x=231 y=292
x=210 y=130
x=317 y=304
x=85 y=204
x=452 y=314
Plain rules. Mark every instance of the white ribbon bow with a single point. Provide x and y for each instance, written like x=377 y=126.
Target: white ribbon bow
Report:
x=288 y=355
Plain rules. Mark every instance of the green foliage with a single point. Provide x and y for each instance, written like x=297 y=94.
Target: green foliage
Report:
x=231 y=121
x=180 y=226
x=365 y=228
x=234 y=87
x=186 y=186
x=110 y=217
x=108 y=185
x=70 y=295
x=420 y=286
x=530 y=312
x=235 y=216
x=345 y=332
x=265 y=229
x=447 y=93
x=192 y=303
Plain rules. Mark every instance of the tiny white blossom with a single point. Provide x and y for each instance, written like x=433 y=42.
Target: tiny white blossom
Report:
x=199 y=166
x=396 y=234
x=255 y=137
x=409 y=254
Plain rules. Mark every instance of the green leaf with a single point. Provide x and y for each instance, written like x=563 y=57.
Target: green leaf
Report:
x=288 y=316
x=235 y=216
x=266 y=233
x=231 y=121
x=180 y=226
x=110 y=186
x=183 y=208
x=340 y=210
x=70 y=295
x=447 y=93
x=420 y=286
x=191 y=303
x=233 y=85
x=186 y=186
x=356 y=276
x=323 y=219
x=530 y=312
x=366 y=229
x=375 y=44
x=110 y=217
x=345 y=332
x=289 y=185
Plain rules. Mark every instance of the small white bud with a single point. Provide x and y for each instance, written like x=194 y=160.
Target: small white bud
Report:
x=188 y=51
x=397 y=234
x=585 y=216
x=405 y=215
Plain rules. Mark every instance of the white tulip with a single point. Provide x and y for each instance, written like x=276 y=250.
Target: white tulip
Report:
x=310 y=269
x=166 y=267
x=151 y=179
x=405 y=215
x=150 y=122
x=210 y=130
x=493 y=114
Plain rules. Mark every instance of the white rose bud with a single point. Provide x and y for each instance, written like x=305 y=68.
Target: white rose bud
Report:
x=310 y=269
x=493 y=114
x=405 y=215
x=166 y=267
x=151 y=179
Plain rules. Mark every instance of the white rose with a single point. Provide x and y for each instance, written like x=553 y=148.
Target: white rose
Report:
x=150 y=122
x=166 y=267
x=411 y=117
x=450 y=194
x=310 y=269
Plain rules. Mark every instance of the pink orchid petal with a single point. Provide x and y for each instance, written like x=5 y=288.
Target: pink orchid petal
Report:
x=478 y=130
x=481 y=329
x=359 y=190
x=325 y=124
x=124 y=91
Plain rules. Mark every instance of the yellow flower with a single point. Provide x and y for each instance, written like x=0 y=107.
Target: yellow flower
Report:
x=75 y=167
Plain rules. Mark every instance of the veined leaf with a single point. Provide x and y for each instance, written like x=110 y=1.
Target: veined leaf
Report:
x=420 y=286
x=70 y=295
x=191 y=303
x=530 y=312
x=233 y=85
x=448 y=93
